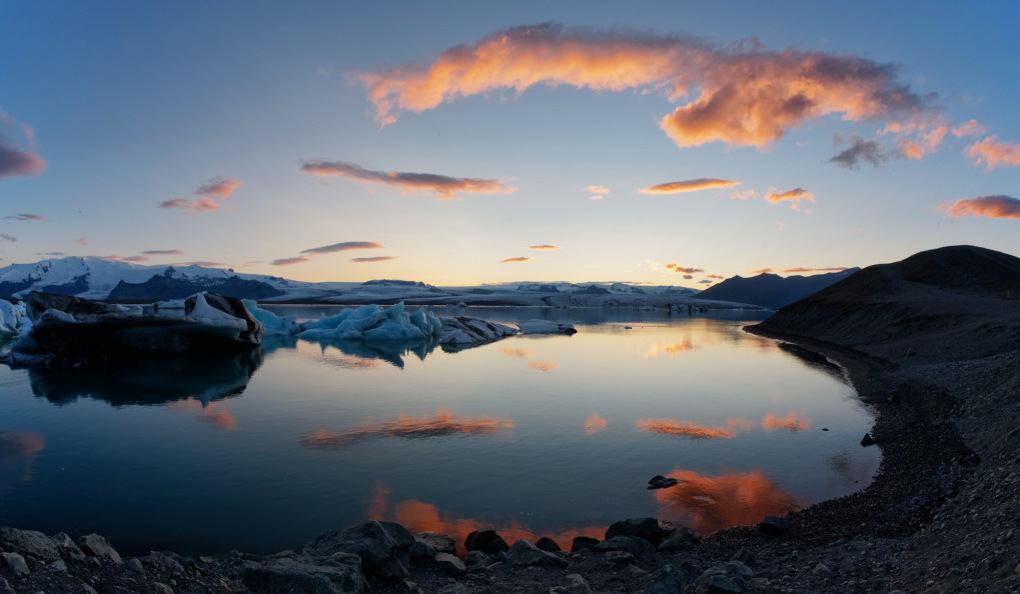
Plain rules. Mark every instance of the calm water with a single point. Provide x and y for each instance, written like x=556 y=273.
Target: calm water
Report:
x=550 y=435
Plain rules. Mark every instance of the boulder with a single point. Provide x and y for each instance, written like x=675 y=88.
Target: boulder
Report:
x=16 y=563
x=526 y=554
x=582 y=542
x=650 y=529
x=576 y=584
x=382 y=546
x=341 y=574
x=163 y=564
x=681 y=539
x=95 y=545
x=619 y=558
x=630 y=544
x=666 y=581
x=487 y=541
x=441 y=543
x=28 y=542
x=450 y=564
x=730 y=577
x=548 y=545
x=66 y=546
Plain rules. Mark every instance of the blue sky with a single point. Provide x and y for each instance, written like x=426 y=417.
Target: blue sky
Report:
x=317 y=140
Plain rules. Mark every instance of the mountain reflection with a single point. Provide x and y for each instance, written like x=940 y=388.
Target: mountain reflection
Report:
x=391 y=351
x=17 y=450
x=418 y=516
x=709 y=504
x=158 y=381
x=441 y=423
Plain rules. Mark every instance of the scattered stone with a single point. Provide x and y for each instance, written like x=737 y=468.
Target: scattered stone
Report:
x=867 y=440
x=474 y=557
x=162 y=588
x=134 y=565
x=487 y=541
x=526 y=554
x=5 y=587
x=774 y=526
x=16 y=563
x=548 y=545
x=744 y=555
x=581 y=543
x=619 y=558
x=666 y=581
x=442 y=543
x=66 y=546
x=28 y=542
x=821 y=569
x=728 y=578
x=650 y=529
x=456 y=588
x=95 y=545
x=681 y=539
x=576 y=584
x=164 y=564
x=59 y=565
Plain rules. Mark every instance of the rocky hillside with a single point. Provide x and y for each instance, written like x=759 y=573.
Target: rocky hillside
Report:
x=772 y=290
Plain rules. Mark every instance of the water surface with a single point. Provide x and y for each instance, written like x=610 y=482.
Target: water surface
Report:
x=534 y=435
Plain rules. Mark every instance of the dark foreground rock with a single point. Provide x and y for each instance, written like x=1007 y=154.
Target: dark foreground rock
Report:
x=940 y=517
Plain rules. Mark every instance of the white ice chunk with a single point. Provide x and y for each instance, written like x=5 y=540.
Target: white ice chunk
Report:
x=545 y=327
x=275 y=325
x=10 y=318
x=203 y=313
x=374 y=322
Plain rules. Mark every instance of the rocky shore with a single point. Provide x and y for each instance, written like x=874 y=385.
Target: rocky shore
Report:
x=932 y=344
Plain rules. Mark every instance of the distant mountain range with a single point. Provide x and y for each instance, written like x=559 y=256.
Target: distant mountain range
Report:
x=96 y=278
x=772 y=290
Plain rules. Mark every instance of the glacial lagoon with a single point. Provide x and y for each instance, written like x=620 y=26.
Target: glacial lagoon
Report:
x=535 y=435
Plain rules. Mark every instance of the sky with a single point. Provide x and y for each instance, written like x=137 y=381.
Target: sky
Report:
x=462 y=143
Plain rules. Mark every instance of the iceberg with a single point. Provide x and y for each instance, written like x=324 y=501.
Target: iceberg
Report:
x=464 y=330
x=374 y=322
x=545 y=327
x=10 y=318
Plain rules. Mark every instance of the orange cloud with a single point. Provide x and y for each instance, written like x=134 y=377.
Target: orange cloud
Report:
x=442 y=422
x=17 y=161
x=594 y=424
x=418 y=516
x=289 y=261
x=763 y=271
x=746 y=194
x=691 y=185
x=709 y=504
x=683 y=269
x=791 y=422
x=543 y=365
x=343 y=246
x=971 y=128
x=518 y=259
x=798 y=270
x=442 y=185
x=742 y=95
x=793 y=196
x=993 y=207
x=544 y=247
x=994 y=154
x=690 y=429
x=219 y=187
x=598 y=189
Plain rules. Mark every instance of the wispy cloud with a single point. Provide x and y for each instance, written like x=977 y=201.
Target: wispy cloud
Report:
x=374 y=259
x=543 y=247
x=994 y=154
x=26 y=217
x=10 y=238
x=745 y=195
x=690 y=185
x=210 y=196
x=793 y=196
x=443 y=186
x=163 y=252
x=520 y=259
x=742 y=95
x=81 y=241
x=140 y=258
x=598 y=192
x=993 y=207
x=17 y=161
x=715 y=276
x=343 y=246
x=970 y=128
x=289 y=261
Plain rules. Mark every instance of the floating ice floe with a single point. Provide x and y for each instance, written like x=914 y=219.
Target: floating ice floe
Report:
x=464 y=330
x=374 y=322
x=546 y=327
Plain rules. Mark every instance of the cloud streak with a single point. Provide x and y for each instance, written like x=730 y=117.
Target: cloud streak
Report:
x=690 y=185
x=210 y=196
x=742 y=95
x=342 y=247
x=793 y=196
x=26 y=217
x=543 y=247
x=993 y=207
x=518 y=259
x=374 y=259
x=443 y=186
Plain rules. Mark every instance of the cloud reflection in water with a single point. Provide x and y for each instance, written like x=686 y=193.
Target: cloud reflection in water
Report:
x=441 y=423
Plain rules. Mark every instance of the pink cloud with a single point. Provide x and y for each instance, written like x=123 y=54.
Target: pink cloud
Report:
x=342 y=247
x=683 y=269
x=17 y=161
x=993 y=207
x=543 y=247
x=374 y=259
x=793 y=196
x=970 y=128
x=690 y=185
x=289 y=261
x=443 y=186
x=219 y=189
x=26 y=217
x=192 y=206
x=520 y=259
x=994 y=154
x=81 y=241
x=741 y=95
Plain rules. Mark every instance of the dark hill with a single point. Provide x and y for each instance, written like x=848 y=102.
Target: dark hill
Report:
x=939 y=304
x=772 y=290
x=166 y=287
